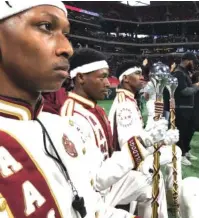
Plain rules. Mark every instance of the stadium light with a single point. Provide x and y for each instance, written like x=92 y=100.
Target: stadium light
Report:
x=136 y=3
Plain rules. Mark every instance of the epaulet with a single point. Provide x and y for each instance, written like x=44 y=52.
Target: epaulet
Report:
x=121 y=97
x=68 y=107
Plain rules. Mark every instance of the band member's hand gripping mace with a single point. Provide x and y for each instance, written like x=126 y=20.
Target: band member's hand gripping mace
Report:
x=159 y=75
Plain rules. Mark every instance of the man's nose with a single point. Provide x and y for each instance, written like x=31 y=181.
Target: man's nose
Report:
x=64 y=47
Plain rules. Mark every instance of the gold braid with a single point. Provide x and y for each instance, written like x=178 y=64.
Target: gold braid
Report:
x=156 y=164
x=174 y=160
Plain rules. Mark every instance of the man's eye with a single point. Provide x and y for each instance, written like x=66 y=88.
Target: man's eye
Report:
x=46 y=26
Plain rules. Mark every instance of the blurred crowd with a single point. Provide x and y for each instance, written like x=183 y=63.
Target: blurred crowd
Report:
x=122 y=37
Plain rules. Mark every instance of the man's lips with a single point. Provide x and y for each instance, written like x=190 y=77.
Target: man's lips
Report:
x=62 y=69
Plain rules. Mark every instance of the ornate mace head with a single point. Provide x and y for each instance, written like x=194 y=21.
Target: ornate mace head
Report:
x=172 y=84
x=159 y=75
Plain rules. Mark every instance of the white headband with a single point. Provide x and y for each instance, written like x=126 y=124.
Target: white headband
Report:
x=129 y=71
x=87 y=68
x=12 y=7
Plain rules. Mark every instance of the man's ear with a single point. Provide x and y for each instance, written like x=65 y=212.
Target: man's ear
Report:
x=80 y=78
x=125 y=79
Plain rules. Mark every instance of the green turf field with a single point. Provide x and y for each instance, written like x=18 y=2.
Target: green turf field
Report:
x=186 y=170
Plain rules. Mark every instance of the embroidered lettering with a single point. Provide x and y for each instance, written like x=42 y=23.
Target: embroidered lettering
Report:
x=100 y=134
x=103 y=147
x=15 y=160
x=51 y=214
x=105 y=157
x=32 y=198
x=93 y=121
x=8 y=165
x=125 y=117
x=135 y=152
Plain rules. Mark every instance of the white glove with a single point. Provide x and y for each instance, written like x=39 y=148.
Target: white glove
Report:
x=155 y=133
x=146 y=166
x=158 y=134
x=171 y=137
x=161 y=123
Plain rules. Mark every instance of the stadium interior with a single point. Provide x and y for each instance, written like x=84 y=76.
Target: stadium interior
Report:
x=162 y=30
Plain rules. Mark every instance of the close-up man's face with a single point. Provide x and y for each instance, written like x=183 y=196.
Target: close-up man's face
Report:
x=34 y=48
x=136 y=80
x=96 y=84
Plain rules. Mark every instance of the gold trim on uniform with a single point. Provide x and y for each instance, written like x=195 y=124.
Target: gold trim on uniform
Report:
x=70 y=108
x=67 y=108
x=121 y=97
x=19 y=116
x=3 y=203
x=81 y=99
x=126 y=92
x=13 y=112
x=4 y=206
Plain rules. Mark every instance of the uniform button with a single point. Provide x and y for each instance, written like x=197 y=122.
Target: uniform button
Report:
x=71 y=123
x=3 y=204
x=96 y=214
x=92 y=182
x=84 y=151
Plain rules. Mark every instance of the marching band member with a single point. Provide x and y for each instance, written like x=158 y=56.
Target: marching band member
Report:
x=126 y=119
x=112 y=171
x=31 y=183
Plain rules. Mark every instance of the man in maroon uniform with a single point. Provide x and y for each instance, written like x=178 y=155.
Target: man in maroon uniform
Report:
x=34 y=52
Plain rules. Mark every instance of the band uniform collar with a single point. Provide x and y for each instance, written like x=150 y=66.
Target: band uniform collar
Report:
x=18 y=109
x=126 y=92
x=81 y=100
